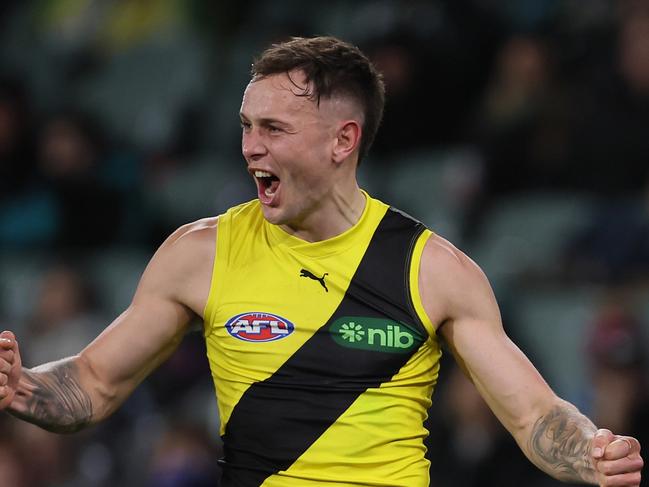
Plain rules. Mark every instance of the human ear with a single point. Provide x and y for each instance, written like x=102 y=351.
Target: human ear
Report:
x=347 y=140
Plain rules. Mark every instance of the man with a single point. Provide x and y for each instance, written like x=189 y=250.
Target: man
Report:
x=324 y=310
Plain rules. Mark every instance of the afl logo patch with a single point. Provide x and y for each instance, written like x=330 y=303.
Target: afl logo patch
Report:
x=259 y=327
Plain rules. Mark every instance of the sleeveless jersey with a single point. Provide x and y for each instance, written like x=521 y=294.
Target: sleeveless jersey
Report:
x=322 y=356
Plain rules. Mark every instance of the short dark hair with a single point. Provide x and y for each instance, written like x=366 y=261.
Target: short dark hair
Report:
x=332 y=67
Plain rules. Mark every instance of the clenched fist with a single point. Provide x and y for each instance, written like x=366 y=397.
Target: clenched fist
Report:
x=616 y=459
x=10 y=368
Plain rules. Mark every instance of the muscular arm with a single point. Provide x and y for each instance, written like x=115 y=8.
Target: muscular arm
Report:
x=69 y=394
x=551 y=432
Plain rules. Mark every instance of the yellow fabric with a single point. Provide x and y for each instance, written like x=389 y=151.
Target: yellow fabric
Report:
x=378 y=441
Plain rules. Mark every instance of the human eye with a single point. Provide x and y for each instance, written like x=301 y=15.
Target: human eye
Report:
x=245 y=125
x=273 y=129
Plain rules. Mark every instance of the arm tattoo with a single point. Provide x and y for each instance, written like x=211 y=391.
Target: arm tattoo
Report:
x=560 y=444
x=54 y=399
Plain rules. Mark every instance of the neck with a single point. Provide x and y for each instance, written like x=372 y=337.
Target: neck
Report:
x=343 y=212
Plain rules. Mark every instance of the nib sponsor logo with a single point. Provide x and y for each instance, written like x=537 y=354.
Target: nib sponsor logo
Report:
x=352 y=332
x=374 y=334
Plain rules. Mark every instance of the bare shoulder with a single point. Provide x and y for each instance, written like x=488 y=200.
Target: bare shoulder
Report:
x=450 y=282
x=443 y=264
x=198 y=236
x=188 y=247
x=182 y=267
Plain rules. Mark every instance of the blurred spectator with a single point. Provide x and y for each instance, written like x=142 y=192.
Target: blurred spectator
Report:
x=546 y=124
x=521 y=127
x=184 y=457
x=434 y=60
x=128 y=23
x=114 y=25
x=20 y=205
x=183 y=371
x=68 y=198
x=64 y=319
x=617 y=351
x=614 y=245
x=400 y=57
x=609 y=154
x=610 y=114
x=633 y=48
x=71 y=154
x=16 y=159
x=468 y=447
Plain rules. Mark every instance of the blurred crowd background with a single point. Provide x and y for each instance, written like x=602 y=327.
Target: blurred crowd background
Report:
x=518 y=129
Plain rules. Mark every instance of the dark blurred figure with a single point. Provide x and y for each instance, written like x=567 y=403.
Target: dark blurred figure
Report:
x=16 y=158
x=64 y=318
x=520 y=126
x=57 y=196
x=71 y=154
x=609 y=147
x=468 y=447
x=20 y=202
x=610 y=157
x=184 y=457
x=433 y=62
x=617 y=349
x=552 y=121
x=402 y=59
x=521 y=123
x=614 y=245
x=186 y=369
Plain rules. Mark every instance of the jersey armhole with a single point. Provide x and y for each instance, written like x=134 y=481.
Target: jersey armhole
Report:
x=415 y=264
x=218 y=266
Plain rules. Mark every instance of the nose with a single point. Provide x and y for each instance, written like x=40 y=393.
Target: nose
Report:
x=252 y=146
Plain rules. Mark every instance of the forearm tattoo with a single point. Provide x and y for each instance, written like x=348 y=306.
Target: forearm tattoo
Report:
x=53 y=398
x=560 y=444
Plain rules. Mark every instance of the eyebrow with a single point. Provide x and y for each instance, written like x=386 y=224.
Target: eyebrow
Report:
x=266 y=121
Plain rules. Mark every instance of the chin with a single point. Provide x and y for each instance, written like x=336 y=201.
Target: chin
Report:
x=273 y=215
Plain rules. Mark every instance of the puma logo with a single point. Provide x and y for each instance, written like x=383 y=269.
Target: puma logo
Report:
x=311 y=275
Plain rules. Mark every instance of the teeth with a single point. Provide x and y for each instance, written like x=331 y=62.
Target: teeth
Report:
x=263 y=174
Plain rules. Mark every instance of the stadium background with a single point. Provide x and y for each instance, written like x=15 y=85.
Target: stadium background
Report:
x=517 y=129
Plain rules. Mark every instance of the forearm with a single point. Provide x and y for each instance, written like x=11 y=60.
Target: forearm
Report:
x=52 y=396
x=559 y=443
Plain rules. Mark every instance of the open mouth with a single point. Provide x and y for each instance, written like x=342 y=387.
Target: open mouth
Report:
x=268 y=184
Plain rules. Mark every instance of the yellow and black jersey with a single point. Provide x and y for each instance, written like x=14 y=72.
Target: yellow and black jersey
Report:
x=322 y=357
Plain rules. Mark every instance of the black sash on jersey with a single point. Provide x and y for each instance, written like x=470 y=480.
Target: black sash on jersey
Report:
x=278 y=419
